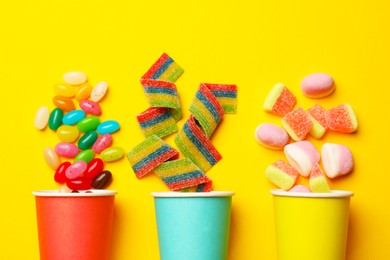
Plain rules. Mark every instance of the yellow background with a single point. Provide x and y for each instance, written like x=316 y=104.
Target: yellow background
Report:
x=253 y=44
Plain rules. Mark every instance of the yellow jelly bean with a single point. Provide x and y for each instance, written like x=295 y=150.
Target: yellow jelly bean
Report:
x=64 y=90
x=68 y=133
x=64 y=103
x=112 y=154
x=83 y=92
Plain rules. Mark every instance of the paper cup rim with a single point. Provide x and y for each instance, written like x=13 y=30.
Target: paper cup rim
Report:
x=176 y=194
x=56 y=193
x=332 y=194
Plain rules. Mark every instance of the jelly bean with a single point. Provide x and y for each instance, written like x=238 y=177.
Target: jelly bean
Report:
x=75 y=170
x=102 y=180
x=108 y=127
x=73 y=117
x=59 y=175
x=79 y=184
x=94 y=168
x=87 y=140
x=88 y=124
x=67 y=150
x=51 y=158
x=64 y=90
x=55 y=119
x=74 y=191
x=102 y=143
x=83 y=92
x=75 y=78
x=90 y=107
x=85 y=155
x=41 y=118
x=112 y=154
x=99 y=91
x=68 y=133
x=66 y=104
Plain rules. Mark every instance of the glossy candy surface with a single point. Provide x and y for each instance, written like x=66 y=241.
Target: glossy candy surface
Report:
x=85 y=155
x=102 y=180
x=75 y=78
x=88 y=124
x=90 y=107
x=64 y=90
x=68 y=150
x=79 y=184
x=83 y=92
x=108 y=127
x=55 y=118
x=67 y=133
x=41 y=118
x=87 y=140
x=51 y=158
x=112 y=154
x=73 y=117
x=75 y=170
x=102 y=143
x=94 y=168
x=99 y=91
x=59 y=175
x=64 y=103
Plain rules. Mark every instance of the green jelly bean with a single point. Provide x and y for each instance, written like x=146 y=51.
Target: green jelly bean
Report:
x=87 y=140
x=112 y=154
x=55 y=118
x=85 y=155
x=88 y=124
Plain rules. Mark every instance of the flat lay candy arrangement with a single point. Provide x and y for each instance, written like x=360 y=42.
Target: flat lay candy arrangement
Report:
x=84 y=140
x=297 y=124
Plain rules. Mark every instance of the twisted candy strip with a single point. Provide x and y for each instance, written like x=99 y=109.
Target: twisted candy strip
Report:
x=165 y=110
x=208 y=107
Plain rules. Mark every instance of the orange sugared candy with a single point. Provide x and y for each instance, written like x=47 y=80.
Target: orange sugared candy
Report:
x=342 y=119
x=297 y=124
x=280 y=100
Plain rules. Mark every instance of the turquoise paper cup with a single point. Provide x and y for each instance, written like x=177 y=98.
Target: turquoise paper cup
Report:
x=193 y=225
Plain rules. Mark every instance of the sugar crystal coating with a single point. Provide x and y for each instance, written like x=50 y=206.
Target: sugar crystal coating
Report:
x=280 y=100
x=297 y=124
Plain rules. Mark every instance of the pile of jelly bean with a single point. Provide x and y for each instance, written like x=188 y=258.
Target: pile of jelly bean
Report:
x=83 y=137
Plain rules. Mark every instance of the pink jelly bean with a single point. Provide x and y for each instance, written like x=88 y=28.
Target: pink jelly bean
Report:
x=90 y=107
x=102 y=143
x=76 y=170
x=68 y=150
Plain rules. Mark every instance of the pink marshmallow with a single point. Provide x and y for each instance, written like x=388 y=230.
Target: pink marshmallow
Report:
x=299 y=188
x=336 y=159
x=271 y=136
x=302 y=156
x=317 y=85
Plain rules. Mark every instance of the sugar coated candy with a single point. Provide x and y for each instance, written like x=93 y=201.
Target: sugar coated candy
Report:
x=342 y=119
x=297 y=124
x=280 y=100
x=302 y=156
x=271 y=136
x=317 y=85
x=317 y=181
x=281 y=174
x=319 y=118
x=336 y=159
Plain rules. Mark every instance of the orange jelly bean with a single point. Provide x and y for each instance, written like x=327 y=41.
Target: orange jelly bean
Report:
x=64 y=103
x=83 y=92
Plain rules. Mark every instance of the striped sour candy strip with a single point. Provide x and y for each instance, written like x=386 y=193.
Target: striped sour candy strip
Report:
x=165 y=109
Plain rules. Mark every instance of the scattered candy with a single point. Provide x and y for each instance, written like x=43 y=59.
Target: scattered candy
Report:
x=317 y=181
x=319 y=118
x=64 y=103
x=297 y=124
x=75 y=78
x=87 y=140
x=280 y=100
x=68 y=150
x=84 y=92
x=75 y=170
x=51 y=158
x=108 y=127
x=281 y=174
x=73 y=117
x=85 y=155
x=271 y=136
x=64 y=90
x=55 y=118
x=67 y=133
x=99 y=91
x=342 y=119
x=102 y=180
x=88 y=124
x=94 y=167
x=158 y=121
x=112 y=154
x=302 y=156
x=41 y=118
x=90 y=107
x=59 y=175
x=101 y=143
x=317 y=85
x=336 y=159
x=299 y=188
x=78 y=184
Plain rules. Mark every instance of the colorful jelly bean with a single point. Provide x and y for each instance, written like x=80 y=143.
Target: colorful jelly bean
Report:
x=51 y=158
x=75 y=170
x=90 y=107
x=87 y=140
x=68 y=150
x=73 y=117
x=75 y=78
x=79 y=184
x=102 y=180
x=66 y=104
x=64 y=90
x=112 y=154
x=94 y=168
x=68 y=133
x=55 y=118
x=103 y=142
x=41 y=118
x=59 y=175
x=88 y=124
x=85 y=155
x=108 y=127
x=99 y=91
x=83 y=92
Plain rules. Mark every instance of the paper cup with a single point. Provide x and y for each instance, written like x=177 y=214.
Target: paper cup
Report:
x=193 y=225
x=311 y=225
x=74 y=225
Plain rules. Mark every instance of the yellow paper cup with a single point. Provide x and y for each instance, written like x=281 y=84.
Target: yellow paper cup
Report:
x=311 y=226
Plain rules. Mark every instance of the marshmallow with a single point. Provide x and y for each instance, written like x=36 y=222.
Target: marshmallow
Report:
x=281 y=174
x=302 y=156
x=317 y=85
x=317 y=181
x=319 y=118
x=280 y=100
x=297 y=124
x=336 y=159
x=342 y=119
x=299 y=188
x=271 y=136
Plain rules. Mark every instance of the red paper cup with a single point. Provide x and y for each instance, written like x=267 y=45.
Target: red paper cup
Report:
x=74 y=225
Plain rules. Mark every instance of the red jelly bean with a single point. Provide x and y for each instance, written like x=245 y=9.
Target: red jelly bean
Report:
x=94 y=167
x=59 y=175
x=90 y=107
x=79 y=183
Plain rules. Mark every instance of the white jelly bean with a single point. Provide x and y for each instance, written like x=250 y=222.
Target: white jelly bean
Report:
x=99 y=91
x=75 y=78
x=41 y=117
